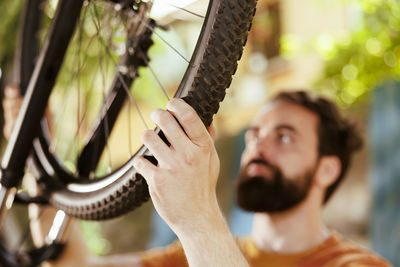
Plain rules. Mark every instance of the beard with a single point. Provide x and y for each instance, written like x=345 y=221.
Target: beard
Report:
x=273 y=194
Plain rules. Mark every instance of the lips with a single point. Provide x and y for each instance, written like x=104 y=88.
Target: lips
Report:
x=259 y=161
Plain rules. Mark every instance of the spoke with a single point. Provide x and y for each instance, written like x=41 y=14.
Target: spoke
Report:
x=118 y=94
x=70 y=150
x=82 y=64
x=74 y=77
x=131 y=100
x=157 y=79
x=78 y=92
x=106 y=131
x=159 y=36
x=106 y=128
x=129 y=131
x=186 y=10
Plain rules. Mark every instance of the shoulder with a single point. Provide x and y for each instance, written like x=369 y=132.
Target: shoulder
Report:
x=337 y=251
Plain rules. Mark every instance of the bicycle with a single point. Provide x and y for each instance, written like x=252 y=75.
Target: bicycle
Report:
x=220 y=43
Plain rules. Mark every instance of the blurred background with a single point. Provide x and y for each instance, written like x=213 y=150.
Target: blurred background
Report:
x=348 y=50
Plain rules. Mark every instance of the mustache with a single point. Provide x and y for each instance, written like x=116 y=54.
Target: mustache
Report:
x=275 y=169
x=262 y=162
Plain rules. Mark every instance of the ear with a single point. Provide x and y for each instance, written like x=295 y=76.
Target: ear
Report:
x=328 y=170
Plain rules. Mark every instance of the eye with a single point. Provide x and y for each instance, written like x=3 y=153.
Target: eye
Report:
x=285 y=138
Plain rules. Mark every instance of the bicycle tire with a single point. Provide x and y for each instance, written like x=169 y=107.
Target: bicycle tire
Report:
x=210 y=71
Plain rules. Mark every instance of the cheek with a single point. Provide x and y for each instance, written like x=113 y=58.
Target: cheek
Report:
x=291 y=164
x=295 y=164
x=290 y=167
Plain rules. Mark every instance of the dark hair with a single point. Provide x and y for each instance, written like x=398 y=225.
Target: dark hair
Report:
x=337 y=136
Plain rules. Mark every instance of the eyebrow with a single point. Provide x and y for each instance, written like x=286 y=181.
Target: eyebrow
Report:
x=287 y=127
x=251 y=129
x=279 y=127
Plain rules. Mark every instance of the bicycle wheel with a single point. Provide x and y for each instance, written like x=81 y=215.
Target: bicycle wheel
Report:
x=209 y=72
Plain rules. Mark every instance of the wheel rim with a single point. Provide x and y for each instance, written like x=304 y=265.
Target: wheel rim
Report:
x=62 y=171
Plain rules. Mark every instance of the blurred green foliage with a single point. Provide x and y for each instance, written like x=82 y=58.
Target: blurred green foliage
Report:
x=93 y=236
x=9 y=20
x=369 y=55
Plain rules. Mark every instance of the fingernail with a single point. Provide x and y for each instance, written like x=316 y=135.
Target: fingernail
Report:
x=153 y=114
x=172 y=102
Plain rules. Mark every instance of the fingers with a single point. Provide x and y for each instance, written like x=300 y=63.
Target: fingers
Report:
x=190 y=121
x=171 y=128
x=182 y=140
x=146 y=169
x=157 y=147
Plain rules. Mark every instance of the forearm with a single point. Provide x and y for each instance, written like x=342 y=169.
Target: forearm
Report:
x=211 y=244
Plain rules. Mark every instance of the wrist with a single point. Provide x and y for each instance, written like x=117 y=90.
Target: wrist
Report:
x=203 y=219
x=209 y=242
x=217 y=230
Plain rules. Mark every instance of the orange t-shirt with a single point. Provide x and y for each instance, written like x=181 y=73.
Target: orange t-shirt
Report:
x=333 y=252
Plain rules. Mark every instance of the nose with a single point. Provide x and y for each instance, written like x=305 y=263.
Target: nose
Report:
x=260 y=147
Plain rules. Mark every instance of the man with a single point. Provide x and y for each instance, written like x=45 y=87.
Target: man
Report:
x=298 y=149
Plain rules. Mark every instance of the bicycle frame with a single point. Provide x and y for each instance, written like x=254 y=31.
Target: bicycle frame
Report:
x=34 y=104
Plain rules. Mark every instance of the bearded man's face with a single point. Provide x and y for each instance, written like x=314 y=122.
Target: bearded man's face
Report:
x=280 y=159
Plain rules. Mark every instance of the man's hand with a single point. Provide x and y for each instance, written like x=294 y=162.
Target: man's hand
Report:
x=182 y=186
